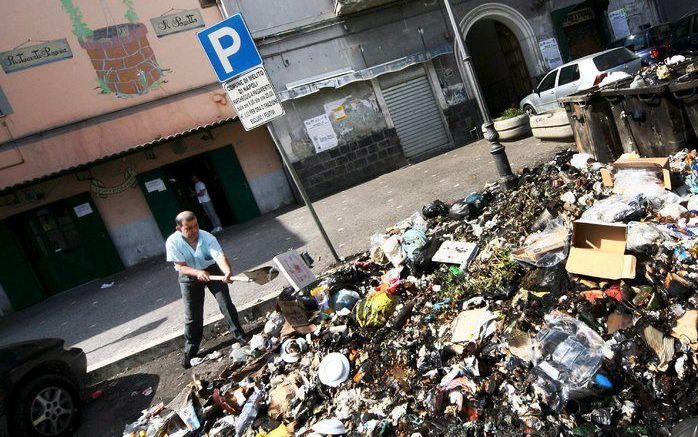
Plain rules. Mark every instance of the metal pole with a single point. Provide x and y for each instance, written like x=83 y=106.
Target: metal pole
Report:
x=301 y=190
x=499 y=155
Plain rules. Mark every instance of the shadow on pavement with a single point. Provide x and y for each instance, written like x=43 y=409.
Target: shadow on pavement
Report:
x=123 y=398
x=141 y=330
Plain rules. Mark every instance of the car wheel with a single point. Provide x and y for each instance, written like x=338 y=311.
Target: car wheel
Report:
x=47 y=406
x=528 y=109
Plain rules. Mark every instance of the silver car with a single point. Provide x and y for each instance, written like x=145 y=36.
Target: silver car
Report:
x=580 y=74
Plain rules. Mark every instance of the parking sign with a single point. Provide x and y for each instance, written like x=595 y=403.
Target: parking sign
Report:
x=230 y=48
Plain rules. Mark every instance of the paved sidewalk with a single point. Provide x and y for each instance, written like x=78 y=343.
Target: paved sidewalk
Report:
x=143 y=306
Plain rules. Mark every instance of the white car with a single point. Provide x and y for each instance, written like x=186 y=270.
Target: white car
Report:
x=580 y=74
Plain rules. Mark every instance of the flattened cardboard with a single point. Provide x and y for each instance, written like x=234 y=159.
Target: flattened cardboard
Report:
x=598 y=250
x=660 y=165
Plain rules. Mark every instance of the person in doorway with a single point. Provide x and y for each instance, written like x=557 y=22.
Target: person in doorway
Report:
x=197 y=255
x=206 y=204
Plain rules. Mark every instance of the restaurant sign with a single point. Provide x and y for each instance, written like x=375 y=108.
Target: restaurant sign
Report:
x=38 y=54
x=180 y=21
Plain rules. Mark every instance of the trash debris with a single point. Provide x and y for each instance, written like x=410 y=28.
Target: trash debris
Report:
x=107 y=285
x=565 y=305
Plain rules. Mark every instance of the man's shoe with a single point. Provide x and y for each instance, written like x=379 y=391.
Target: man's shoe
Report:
x=186 y=362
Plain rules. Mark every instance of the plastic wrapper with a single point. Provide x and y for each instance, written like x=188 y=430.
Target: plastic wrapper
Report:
x=615 y=209
x=568 y=354
x=546 y=248
x=643 y=237
x=580 y=160
x=413 y=240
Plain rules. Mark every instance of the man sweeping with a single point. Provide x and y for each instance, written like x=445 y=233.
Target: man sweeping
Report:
x=197 y=255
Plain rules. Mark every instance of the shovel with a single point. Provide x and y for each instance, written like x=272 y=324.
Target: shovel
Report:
x=259 y=276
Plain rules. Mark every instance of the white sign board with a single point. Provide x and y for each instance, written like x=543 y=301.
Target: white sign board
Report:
x=254 y=98
x=551 y=52
x=321 y=132
x=619 y=23
x=294 y=269
x=155 y=185
x=83 y=209
x=455 y=252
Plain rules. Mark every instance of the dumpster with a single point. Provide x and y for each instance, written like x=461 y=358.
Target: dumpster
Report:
x=650 y=120
x=593 y=125
x=685 y=90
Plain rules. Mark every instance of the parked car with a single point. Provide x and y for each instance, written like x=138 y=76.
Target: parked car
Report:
x=684 y=36
x=651 y=45
x=41 y=388
x=580 y=74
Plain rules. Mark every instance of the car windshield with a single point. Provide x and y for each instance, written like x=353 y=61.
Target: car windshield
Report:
x=614 y=58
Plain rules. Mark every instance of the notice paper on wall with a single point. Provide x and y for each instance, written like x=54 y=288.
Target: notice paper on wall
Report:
x=83 y=209
x=619 y=23
x=321 y=133
x=155 y=185
x=551 y=52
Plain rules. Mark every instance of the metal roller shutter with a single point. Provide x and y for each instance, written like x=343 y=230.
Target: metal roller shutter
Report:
x=417 y=117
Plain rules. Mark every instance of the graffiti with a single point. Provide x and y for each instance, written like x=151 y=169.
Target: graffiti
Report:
x=120 y=53
x=454 y=94
x=101 y=190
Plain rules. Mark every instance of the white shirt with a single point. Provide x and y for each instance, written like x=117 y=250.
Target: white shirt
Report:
x=208 y=250
x=203 y=198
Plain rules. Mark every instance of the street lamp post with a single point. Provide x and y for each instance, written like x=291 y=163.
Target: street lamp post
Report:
x=499 y=155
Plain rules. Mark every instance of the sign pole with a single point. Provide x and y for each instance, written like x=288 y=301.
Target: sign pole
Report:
x=301 y=190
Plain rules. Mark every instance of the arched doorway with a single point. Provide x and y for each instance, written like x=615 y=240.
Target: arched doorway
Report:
x=509 y=32
x=499 y=64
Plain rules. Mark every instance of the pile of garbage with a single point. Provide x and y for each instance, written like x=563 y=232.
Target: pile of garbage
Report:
x=567 y=305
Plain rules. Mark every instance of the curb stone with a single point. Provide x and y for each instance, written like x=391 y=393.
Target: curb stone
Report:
x=213 y=327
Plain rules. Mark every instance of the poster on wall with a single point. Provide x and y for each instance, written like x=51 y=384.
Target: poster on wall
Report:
x=551 y=52
x=321 y=132
x=82 y=210
x=619 y=23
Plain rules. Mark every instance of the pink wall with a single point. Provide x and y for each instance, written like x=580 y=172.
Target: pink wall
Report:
x=66 y=91
x=88 y=141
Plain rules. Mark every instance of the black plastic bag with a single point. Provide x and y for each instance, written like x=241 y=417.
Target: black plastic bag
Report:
x=435 y=209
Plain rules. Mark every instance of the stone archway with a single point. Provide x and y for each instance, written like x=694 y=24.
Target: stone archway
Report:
x=516 y=24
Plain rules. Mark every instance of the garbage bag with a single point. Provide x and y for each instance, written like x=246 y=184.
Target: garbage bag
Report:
x=374 y=310
x=412 y=242
x=643 y=237
x=470 y=207
x=422 y=262
x=546 y=248
x=435 y=209
x=615 y=209
x=568 y=355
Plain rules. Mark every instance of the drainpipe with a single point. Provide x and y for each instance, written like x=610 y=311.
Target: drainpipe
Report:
x=499 y=155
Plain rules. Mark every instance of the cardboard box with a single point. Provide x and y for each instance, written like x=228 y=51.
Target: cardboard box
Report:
x=598 y=250
x=659 y=165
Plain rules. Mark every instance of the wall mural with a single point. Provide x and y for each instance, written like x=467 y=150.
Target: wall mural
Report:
x=120 y=53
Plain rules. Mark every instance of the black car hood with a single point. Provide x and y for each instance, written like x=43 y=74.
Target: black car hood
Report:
x=15 y=354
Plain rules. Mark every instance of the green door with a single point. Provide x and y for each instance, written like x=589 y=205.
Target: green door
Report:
x=16 y=274
x=161 y=199
x=67 y=243
x=95 y=239
x=234 y=183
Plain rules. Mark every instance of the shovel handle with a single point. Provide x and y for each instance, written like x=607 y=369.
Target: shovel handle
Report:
x=238 y=278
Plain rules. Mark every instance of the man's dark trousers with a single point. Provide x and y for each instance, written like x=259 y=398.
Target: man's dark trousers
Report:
x=193 y=297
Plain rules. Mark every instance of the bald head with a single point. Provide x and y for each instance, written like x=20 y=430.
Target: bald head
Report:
x=184 y=216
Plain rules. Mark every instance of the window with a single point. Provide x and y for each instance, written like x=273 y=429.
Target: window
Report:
x=548 y=82
x=636 y=42
x=613 y=59
x=569 y=74
x=659 y=35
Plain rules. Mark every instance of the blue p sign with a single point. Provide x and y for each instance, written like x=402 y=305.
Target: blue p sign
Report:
x=230 y=48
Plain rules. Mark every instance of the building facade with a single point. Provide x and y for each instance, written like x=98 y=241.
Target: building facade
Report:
x=372 y=85
x=108 y=109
